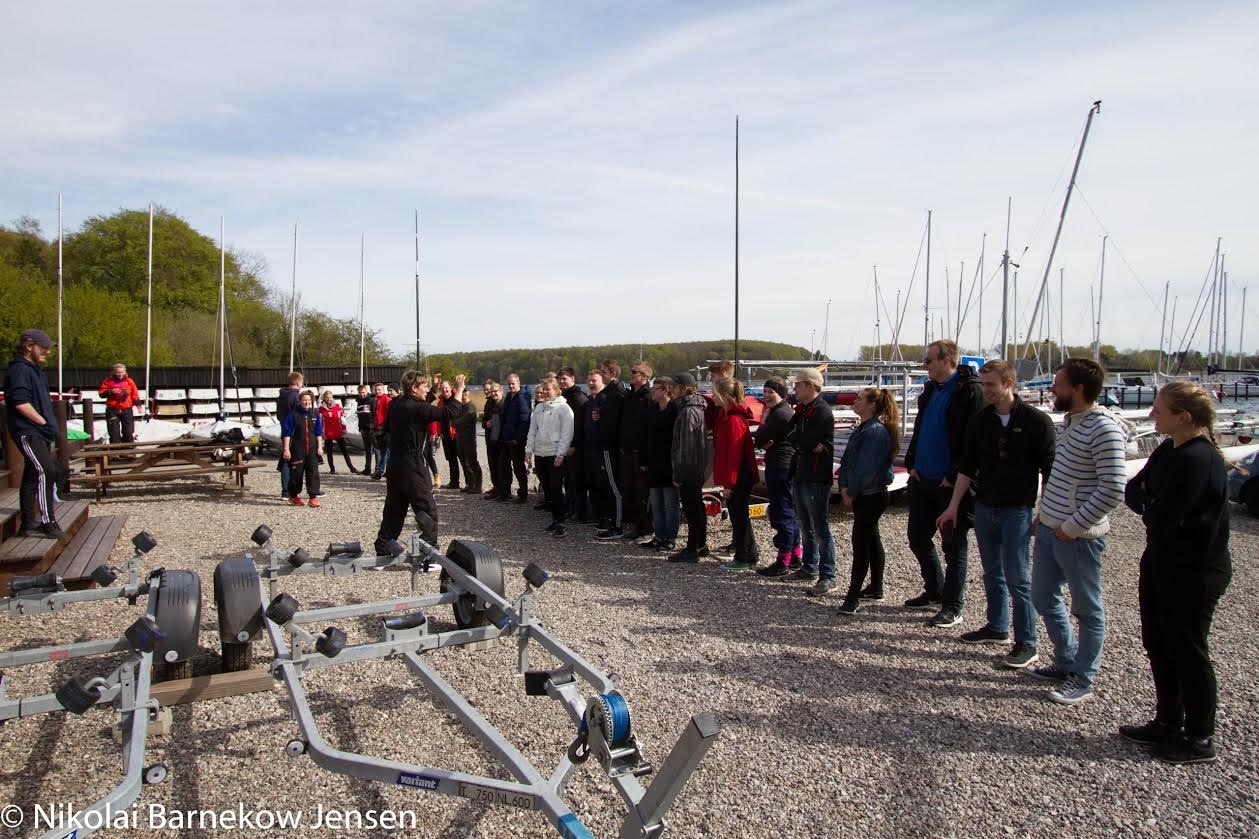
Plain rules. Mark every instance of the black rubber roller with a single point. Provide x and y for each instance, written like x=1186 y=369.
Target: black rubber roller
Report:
x=331 y=643
x=261 y=535
x=144 y=634
x=411 y=620
x=345 y=549
x=298 y=558
x=103 y=575
x=282 y=608
x=536 y=575
x=144 y=541
x=76 y=698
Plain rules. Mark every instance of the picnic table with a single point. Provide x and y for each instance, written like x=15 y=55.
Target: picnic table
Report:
x=111 y=463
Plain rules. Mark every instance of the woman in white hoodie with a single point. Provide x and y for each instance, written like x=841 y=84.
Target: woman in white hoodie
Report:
x=550 y=433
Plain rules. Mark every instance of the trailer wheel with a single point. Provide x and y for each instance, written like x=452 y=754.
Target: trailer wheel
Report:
x=237 y=656
x=155 y=774
x=295 y=748
x=480 y=561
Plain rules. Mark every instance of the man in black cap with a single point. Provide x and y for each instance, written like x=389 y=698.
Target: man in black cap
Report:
x=28 y=409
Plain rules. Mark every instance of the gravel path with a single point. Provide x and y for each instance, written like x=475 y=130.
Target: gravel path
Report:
x=871 y=726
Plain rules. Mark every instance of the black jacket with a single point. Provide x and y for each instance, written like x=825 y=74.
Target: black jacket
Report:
x=576 y=399
x=365 y=410
x=287 y=402
x=407 y=424
x=635 y=409
x=812 y=424
x=1004 y=461
x=1182 y=496
x=602 y=434
x=771 y=435
x=465 y=423
x=966 y=401
x=492 y=407
x=25 y=384
x=660 y=444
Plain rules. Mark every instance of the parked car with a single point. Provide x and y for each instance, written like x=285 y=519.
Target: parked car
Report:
x=1243 y=482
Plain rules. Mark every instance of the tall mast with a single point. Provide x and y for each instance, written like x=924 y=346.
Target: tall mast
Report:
x=1005 y=283
x=1097 y=324
x=826 y=332
x=946 y=329
x=61 y=349
x=293 y=304
x=878 y=335
x=1241 y=333
x=222 y=317
x=1062 y=333
x=1223 y=313
x=1215 y=284
x=1062 y=217
x=961 y=278
x=736 y=244
x=1171 y=336
x=417 y=289
x=926 y=295
x=1162 y=333
x=979 y=273
x=148 y=324
x=362 y=295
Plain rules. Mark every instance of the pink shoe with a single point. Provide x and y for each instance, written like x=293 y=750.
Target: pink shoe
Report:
x=314 y=502
x=299 y=502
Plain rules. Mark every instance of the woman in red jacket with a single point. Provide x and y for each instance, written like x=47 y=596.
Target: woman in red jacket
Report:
x=334 y=431
x=734 y=468
x=120 y=394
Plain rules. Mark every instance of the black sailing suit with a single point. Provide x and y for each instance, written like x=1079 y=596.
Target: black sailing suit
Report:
x=408 y=481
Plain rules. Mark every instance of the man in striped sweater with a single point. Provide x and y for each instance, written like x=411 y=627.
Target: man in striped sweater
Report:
x=1085 y=485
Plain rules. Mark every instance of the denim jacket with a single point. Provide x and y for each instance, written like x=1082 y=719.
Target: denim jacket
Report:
x=866 y=464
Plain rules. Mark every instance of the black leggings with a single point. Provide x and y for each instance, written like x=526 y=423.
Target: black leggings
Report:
x=692 y=495
x=740 y=521
x=451 y=454
x=340 y=444
x=552 y=479
x=867 y=544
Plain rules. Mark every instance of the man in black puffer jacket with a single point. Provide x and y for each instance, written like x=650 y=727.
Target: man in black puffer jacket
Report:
x=635 y=412
x=771 y=436
x=574 y=464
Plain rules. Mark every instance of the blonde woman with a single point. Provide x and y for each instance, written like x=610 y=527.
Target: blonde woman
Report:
x=1182 y=496
x=550 y=433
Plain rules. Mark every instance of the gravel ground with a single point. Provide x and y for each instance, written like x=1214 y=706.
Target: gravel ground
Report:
x=871 y=726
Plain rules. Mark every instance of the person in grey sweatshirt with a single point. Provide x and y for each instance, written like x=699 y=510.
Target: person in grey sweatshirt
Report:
x=690 y=467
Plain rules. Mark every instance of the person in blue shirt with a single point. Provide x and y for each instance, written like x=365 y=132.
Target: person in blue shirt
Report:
x=28 y=409
x=303 y=448
x=952 y=396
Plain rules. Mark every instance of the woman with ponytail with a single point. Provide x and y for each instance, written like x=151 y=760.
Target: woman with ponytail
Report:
x=734 y=468
x=865 y=471
x=1182 y=496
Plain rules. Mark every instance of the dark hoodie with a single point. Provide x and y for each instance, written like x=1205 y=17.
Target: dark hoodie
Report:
x=635 y=409
x=771 y=435
x=690 y=452
x=576 y=399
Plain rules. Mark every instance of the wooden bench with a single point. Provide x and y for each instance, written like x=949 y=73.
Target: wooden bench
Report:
x=90 y=547
x=108 y=463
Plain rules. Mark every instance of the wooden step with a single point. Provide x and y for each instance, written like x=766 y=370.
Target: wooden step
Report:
x=10 y=512
x=33 y=555
x=88 y=548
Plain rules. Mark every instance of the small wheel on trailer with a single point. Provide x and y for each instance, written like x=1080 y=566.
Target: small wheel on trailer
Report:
x=295 y=748
x=237 y=656
x=155 y=774
x=480 y=561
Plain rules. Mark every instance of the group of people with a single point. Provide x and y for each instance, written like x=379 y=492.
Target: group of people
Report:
x=633 y=458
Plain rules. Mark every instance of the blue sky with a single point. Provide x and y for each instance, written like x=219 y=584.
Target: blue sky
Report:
x=573 y=162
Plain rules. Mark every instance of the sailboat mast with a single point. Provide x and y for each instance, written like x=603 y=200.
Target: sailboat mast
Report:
x=1062 y=217
x=293 y=304
x=878 y=335
x=736 y=246
x=1097 y=324
x=1171 y=336
x=961 y=278
x=926 y=295
x=222 y=317
x=979 y=274
x=1005 y=283
x=61 y=348
x=148 y=323
x=1162 y=333
x=1223 y=314
x=362 y=295
x=946 y=330
x=1062 y=334
x=1241 y=333
x=417 y=289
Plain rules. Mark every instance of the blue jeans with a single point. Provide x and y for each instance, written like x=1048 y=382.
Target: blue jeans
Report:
x=666 y=513
x=1078 y=564
x=782 y=510
x=1005 y=545
x=286 y=472
x=812 y=504
x=382 y=459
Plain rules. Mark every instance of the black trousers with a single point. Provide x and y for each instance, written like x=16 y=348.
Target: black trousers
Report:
x=1176 y=606
x=408 y=486
x=551 y=477
x=633 y=483
x=691 y=494
x=575 y=486
x=927 y=500
x=121 y=423
x=430 y=460
x=345 y=453
x=39 y=474
x=492 y=451
x=605 y=490
x=465 y=445
x=308 y=468
x=740 y=521
x=867 y=545
x=451 y=453
x=365 y=431
x=511 y=458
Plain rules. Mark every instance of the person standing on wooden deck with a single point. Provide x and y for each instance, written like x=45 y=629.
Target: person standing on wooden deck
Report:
x=28 y=409
x=303 y=447
x=120 y=394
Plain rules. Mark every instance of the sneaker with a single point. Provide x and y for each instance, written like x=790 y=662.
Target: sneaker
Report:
x=1072 y=691
x=739 y=565
x=1047 y=673
x=684 y=556
x=1182 y=751
x=297 y=501
x=650 y=544
x=490 y=495
x=803 y=576
x=559 y=532
x=725 y=549
x=850 y=606
x=985 y=635
x=823 y=586
x=550 y=528
x=1153 y=733
x=633 y=533
x=922 y=601
x=874 y=595
x=724 y=555
x=314 y=502
x=665 y=547
x=703 y=553
x=609 y=534
x=521 y=499
x=777 y=569
x=1020 y=656
x=945 y=618
x=377 y=476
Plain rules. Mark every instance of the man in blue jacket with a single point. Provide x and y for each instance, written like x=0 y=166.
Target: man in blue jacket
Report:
x=28 y=409
x=516 y=410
